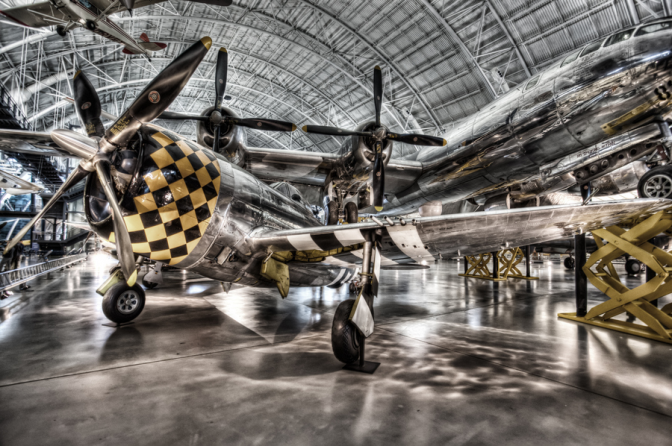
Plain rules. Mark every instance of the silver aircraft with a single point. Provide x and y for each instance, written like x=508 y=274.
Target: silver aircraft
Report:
x=156 y=194
x=600 y=117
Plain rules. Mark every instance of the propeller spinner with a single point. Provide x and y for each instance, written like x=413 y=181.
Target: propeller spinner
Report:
x=95 y=155
x=379 y=135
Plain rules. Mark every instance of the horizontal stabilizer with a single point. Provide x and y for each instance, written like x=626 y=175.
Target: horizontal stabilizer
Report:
x=152 y=46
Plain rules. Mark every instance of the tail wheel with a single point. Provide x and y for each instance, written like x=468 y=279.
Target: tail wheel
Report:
x=60 y=30
x=332 y=212
x=569 y=262
x=91 y=25
x=633 y=267
x=656 y=183
x=123 y=303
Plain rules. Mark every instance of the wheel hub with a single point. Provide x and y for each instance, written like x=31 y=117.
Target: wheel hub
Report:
x=128 y=302
x=658 y=186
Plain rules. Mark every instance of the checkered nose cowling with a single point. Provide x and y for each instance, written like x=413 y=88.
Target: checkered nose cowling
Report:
x=170 y=203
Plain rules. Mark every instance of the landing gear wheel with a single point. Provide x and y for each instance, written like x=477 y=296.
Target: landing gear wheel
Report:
x=149 y=285
x=332 y=213
x=123 y=303
x=569 y=262
x=633 y=267
x=344 y=334
x=60 y=30
x=351 y=213
x=656 y=183
x=91 y=25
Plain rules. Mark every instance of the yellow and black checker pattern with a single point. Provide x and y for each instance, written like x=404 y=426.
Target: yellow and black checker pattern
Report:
x=170 y=210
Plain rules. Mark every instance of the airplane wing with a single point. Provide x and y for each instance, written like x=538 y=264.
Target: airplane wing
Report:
x=15 y=185
x=313 y=168
x=25 y=141
x=37 y=15
x=426 y=239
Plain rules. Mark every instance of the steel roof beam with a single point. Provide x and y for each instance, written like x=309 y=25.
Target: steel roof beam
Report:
x=455 y=38
x=355 y=78
x=501 y=24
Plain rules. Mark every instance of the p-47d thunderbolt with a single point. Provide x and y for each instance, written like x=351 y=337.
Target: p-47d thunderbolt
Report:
x=155 y=194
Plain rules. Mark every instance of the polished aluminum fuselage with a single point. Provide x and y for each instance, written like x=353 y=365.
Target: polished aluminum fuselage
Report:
x=572 y=107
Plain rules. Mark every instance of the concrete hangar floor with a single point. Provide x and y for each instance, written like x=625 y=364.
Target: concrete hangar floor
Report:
x=463 y=362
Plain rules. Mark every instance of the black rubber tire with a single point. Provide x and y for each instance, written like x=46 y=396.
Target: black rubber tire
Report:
x=665 y=176
x=91 y=25
x=569 y=262
x=61 y=31
x=149 y=285
x=344 y=334
x=633 y=267
x=351 y=213
x=113 y=295
x=332 y=213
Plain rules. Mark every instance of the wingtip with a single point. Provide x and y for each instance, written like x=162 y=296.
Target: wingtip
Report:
x=207 y=42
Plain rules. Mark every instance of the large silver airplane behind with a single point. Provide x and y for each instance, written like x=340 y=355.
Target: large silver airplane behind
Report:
x=156 y=194
x=599 y=115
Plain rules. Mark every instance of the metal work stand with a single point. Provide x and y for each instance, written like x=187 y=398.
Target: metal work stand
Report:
x=637 y=301
x=362 y=365
x=508 y=259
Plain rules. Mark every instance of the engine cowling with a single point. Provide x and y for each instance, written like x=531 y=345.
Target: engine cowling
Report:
x=232 y=141
x=357 y=154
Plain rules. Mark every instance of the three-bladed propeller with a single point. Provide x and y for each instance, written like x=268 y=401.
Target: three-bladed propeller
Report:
x=379 y=135
x=217 y=119
x=95 y=155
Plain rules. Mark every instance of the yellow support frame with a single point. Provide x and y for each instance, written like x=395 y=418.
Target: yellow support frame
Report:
x=636 y=301
x=509 y=259
x=478 y=268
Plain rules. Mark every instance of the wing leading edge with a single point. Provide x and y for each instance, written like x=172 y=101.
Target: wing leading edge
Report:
x=426 y=239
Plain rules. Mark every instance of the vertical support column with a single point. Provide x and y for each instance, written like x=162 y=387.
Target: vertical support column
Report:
x=32 y=229
x=466 y=264
x=528 y=261
x=495 y=265
x=580 y=279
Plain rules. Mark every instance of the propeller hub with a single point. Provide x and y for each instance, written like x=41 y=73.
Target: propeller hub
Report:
x=379 y=133
x=216 y=118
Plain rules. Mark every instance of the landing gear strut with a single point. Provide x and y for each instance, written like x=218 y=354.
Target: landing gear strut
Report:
x=347 y=339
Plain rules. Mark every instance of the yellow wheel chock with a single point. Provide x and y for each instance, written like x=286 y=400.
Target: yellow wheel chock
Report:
x=508 y=259
x=636 y=301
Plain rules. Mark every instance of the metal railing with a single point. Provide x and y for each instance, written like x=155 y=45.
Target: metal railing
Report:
x=13 y=108
x=15 y=277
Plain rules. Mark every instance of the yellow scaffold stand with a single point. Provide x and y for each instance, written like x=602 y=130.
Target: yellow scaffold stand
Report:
x=637 y=301
x=508 y=258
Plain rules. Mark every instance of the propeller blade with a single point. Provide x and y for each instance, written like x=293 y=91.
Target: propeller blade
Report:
x=220 y=77
x=75 y=143
x=182 y=116
x=263 y=124
x=215 y=143
x=87 y=105
x=334 y=131
x=157 y=95
x=377 y=92
x=121 y=235
x=128 y=4
x=75 y=177
x=378 y=182
x=418 y=140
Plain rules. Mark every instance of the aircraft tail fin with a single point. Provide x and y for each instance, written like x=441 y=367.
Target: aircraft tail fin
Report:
x=148 y=45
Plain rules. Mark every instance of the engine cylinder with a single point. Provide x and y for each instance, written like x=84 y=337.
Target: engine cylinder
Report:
x=358 y=154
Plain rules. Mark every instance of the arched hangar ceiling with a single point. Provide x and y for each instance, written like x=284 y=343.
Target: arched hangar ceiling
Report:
x=311 y=62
